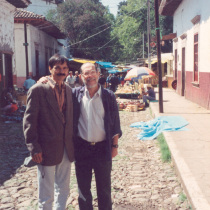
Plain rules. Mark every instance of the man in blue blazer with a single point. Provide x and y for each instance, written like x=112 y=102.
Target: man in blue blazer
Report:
x=96 y=133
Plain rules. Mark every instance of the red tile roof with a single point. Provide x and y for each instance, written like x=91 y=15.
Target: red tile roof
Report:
x=39 y=21
x=168 y=7
x=24 y=14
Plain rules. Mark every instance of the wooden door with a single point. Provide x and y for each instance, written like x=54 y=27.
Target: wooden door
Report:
x=183 y=71
x=8 y=71
x=175 y=64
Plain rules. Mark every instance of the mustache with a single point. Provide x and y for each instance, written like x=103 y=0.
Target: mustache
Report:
x=90 y=79
x=60 y=74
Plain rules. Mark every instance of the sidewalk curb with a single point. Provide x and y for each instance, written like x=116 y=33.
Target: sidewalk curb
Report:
x=193 y=191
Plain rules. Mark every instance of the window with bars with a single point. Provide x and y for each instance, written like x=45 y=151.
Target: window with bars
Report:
x=196 y=58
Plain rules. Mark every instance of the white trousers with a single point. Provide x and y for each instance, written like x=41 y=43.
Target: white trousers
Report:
x=53 y=185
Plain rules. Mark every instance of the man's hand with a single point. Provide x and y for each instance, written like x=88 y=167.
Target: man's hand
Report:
x=37 y=157
x=43 y=80
x=114 y=152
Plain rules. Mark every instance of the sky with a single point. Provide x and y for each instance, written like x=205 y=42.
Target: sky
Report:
x=113 y=5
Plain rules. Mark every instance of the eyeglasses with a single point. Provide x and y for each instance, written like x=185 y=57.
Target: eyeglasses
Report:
x=91 y=73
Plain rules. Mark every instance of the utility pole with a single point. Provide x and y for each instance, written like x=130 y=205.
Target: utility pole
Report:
x=148 y=34
x=26 y=49
x=143 y=43
x=159 y=57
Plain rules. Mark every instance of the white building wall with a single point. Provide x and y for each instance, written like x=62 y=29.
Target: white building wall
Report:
x=20 y=50
x=7 y=30
x=41 y=7
x=40 y=41
x=186 y=11
x=37 y=39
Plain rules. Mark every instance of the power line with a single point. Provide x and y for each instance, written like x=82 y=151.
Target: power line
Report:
x=88 y=37
x=102 y=31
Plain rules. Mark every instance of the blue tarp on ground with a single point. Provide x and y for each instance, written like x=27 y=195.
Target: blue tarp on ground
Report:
x=153 y=128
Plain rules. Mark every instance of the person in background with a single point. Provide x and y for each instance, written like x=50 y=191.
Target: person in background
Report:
x=102 y=80
x=77 y=79
x=96 y=133
x=114 y=82
x=108 y=81
x=8 y=101
x=48 y=131
x=80 y=80
x=149 y=95
x=29 y=82
x=70 y=79
x=122 y=81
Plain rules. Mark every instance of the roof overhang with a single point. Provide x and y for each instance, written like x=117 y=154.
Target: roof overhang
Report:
x=168 y=7
x=165 y=37
x=19 y=3
x=39 y=21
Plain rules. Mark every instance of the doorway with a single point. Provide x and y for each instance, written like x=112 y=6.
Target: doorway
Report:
x=183 y=71
x=175 y=64
x=37 y=64
x=8 y=71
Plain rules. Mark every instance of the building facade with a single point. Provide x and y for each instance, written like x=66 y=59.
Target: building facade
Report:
x=7 y=44
x=35 y=42
x=42 y=7
x=191 y=48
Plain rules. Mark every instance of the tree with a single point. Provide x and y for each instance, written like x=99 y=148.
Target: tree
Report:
x=131 y=24
x=87 y=24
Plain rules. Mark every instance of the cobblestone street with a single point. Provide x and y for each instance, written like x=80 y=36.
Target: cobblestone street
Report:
x=140 y=180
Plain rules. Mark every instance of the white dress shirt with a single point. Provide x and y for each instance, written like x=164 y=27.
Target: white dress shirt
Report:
x=91 y=120
x=70 y=79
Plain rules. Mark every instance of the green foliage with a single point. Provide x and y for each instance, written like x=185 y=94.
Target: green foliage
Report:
x=94 y=33
x=165 y=152
x=80 y=20
x=131 y=25
x=182 y=197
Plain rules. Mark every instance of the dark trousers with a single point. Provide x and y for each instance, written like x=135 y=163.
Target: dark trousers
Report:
x=90 y=157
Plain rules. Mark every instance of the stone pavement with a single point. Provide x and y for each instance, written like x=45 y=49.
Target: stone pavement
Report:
x=140 y=180
x=190 y=149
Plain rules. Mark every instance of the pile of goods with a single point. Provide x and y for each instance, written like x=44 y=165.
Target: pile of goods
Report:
x=124 y=89
x=127 y=89
x=131 y=106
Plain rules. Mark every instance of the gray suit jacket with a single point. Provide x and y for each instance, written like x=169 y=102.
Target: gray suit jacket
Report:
x=43 y=127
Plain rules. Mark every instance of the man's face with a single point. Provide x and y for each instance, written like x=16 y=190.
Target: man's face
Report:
x=90 y=76
x=59 y=71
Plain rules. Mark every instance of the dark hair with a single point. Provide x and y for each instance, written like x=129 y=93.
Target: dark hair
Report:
x=57 y=58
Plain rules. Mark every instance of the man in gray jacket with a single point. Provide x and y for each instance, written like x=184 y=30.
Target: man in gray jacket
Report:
x=48 y=131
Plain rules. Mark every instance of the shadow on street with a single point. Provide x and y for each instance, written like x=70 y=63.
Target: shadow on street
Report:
x=12 y=149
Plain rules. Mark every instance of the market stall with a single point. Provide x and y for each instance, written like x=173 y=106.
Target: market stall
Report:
x=128 y=91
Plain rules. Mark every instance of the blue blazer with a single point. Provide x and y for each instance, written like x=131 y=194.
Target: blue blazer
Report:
x=111 y=117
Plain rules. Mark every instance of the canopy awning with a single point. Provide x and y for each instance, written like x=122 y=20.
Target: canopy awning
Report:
x=165 y=57
x=155 y=61
x=114 y=71
x=101 y=63
x=105 y=64
x=83 y=61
